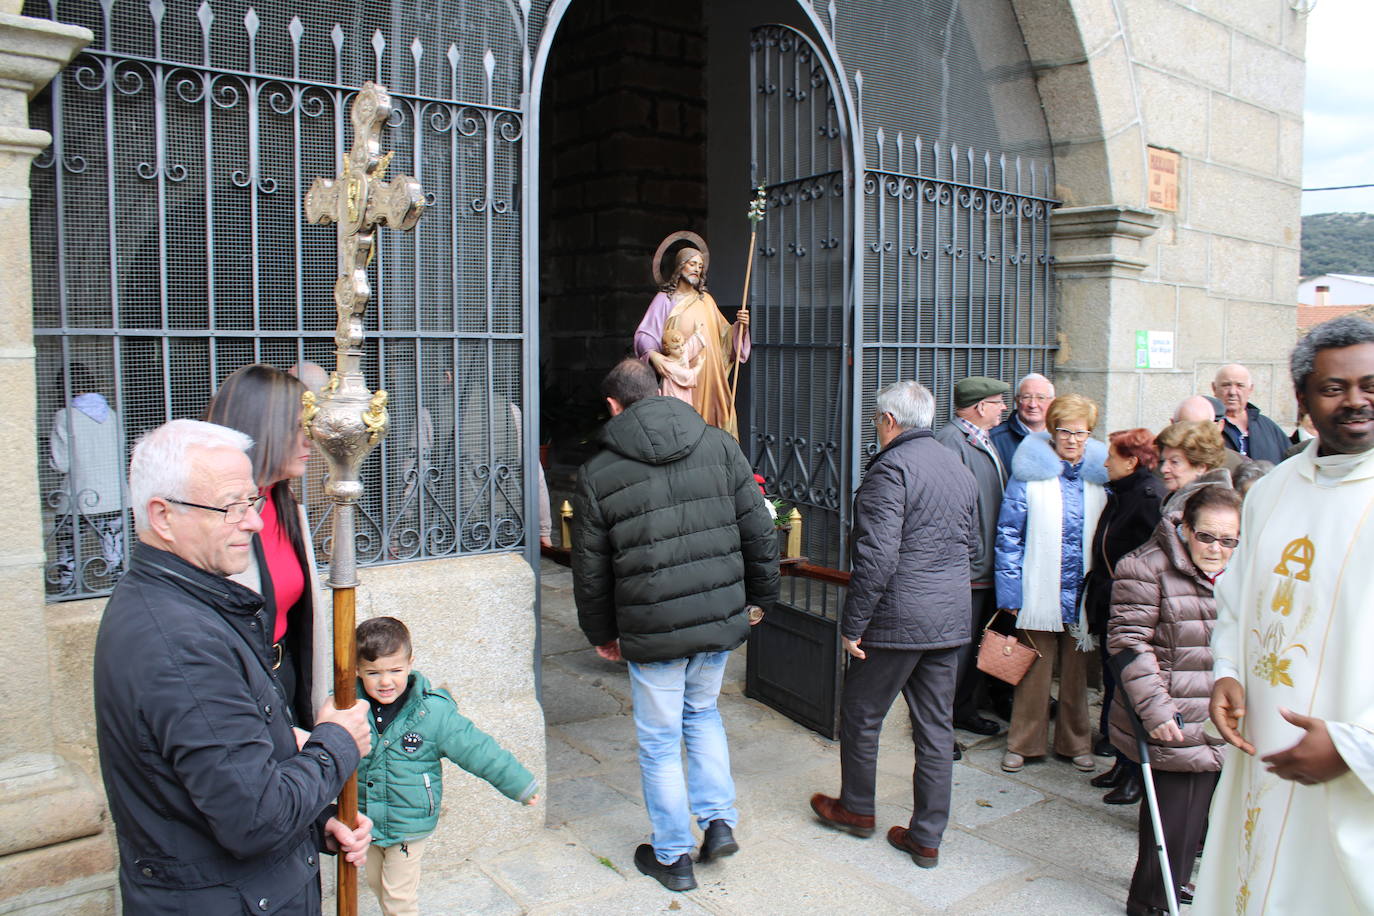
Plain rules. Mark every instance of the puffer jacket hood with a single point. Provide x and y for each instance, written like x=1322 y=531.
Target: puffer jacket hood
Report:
x=671 y=537
x=1163 y=610
x=657 y=430
x=1036 y=459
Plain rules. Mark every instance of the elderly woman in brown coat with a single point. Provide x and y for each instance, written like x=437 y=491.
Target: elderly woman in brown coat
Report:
x=1163 y=612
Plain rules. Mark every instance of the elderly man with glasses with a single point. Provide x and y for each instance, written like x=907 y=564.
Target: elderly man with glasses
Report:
x=905 y=619
x=1034 y=394
x=219 y=806
x=978 y=405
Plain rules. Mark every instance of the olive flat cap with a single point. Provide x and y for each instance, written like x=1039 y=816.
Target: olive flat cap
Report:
x=971 y=390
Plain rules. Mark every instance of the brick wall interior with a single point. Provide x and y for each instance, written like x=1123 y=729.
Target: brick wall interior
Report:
x=623 y=163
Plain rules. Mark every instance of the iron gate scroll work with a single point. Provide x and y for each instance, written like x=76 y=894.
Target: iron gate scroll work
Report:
x=800 y=372
x=169 y=248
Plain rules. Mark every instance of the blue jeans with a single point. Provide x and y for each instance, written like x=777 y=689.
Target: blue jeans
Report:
x=676 y=700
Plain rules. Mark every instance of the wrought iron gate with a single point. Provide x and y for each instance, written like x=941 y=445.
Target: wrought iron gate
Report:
x=800 y=379
x=881 y=257
x=169 y=249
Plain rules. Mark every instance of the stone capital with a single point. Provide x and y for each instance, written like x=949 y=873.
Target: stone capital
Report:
x=33 y=50
x=1100 y=241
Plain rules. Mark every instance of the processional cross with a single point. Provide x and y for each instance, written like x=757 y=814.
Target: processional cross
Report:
x=346 y=420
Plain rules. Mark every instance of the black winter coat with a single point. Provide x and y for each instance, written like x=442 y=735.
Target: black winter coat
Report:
x=915 y=534
x=1267 y=441
x=1133 y=509
x=671 y=539
x=215 y=810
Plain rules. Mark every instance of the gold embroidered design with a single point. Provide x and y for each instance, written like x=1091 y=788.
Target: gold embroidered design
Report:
x=1245 y=868
x=1301 y=553
x=1271 y=664
x=1283 y=598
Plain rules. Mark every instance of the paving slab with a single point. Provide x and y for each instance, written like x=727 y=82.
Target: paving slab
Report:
x=552 y=871
x=463 y=889
x=569 y=698
x=1101 y=849
x=565 y=761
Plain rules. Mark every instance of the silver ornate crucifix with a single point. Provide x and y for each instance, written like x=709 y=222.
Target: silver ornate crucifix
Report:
x=345 y=419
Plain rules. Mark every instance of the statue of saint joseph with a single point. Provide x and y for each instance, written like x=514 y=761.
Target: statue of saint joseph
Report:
x=684 y=304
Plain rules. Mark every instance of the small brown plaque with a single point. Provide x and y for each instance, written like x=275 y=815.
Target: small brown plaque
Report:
x=1164 y=166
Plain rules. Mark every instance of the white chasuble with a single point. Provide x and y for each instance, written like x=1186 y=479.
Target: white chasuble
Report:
x=1295 y=625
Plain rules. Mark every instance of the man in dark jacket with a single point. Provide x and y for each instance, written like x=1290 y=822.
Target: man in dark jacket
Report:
x=1034 y=394
x=216 y=809
x=672 y=547
x=977 y=409
x=906 y=615
x=1246 y=430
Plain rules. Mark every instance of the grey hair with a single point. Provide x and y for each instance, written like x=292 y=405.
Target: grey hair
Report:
x=911 y=404
x=1036 y=376
x=1346 y=331
x=160 y=465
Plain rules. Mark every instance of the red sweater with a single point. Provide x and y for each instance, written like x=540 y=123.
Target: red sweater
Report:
x=283 y=566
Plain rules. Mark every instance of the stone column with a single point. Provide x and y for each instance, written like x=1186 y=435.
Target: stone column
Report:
x=1097 y=256
x=54 y=857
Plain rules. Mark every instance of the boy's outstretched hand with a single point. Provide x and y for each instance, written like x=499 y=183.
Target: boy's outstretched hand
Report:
x=533 y=799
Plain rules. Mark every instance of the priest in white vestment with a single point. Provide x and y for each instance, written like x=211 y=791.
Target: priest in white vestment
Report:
x=1292 y=821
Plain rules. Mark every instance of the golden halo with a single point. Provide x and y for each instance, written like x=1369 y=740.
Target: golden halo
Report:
x=682 y=235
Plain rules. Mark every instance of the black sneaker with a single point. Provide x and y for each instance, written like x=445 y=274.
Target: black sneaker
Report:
x=718 y=842
x=675 y=877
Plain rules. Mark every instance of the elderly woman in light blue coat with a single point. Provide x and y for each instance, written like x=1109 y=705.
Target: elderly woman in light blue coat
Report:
x=1043 y=553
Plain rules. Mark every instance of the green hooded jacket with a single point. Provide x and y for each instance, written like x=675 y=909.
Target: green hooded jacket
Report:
x=400 y=783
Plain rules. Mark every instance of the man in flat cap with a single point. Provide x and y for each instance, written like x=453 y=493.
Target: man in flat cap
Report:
x=978 y=405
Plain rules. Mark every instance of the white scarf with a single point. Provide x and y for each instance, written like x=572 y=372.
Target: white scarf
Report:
x=1040 y=574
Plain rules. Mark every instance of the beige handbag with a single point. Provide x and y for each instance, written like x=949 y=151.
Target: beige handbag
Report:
x=1004 y=657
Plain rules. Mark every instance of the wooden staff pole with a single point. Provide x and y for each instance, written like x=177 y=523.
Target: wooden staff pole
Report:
x=756 y=208
x=345 y=695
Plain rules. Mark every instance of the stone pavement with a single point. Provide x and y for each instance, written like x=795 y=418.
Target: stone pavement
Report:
x=1037 y=842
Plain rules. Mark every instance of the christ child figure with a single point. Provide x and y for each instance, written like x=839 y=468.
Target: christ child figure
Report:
x=678 y=363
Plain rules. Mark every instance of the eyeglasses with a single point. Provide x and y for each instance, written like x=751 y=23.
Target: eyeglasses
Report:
x=878 y=417
x=1205 y=538
x=1077 y=435
x=233 y=513
x=1035 y=398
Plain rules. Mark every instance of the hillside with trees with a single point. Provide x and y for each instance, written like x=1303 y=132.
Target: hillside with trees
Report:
x=1338 y=243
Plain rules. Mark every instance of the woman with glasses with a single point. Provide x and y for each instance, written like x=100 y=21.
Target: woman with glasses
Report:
x=265 y=403
x=1044 y=533
x=1191 y=455
x=1163 y=612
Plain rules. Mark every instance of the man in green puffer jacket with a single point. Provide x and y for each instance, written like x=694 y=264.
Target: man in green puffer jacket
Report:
x=672 y=545
x=400 y=783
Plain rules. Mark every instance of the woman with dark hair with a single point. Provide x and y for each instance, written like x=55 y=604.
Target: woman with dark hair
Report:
x=265 y=403
x=1135 y=498
x=1163 y=611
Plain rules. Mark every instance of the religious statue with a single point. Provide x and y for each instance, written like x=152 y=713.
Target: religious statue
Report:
x=678 y=363
x=683 y=303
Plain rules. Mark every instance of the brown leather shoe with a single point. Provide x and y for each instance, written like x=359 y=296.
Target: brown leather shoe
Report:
x=834 y=814
x=923 y=856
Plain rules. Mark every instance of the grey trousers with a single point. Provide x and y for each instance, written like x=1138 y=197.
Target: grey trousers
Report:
x=926 y=679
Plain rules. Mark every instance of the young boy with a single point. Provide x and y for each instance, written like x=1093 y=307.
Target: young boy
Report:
x=400 y=783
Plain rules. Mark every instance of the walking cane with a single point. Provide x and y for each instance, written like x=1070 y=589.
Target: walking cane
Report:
x=1119 y=661
x=756 y=208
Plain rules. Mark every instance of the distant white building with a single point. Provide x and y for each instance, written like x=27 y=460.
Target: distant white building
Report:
x=1341 y=289
x=1331 y=296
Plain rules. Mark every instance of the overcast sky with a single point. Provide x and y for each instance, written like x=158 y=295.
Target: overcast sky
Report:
x=1338 y=133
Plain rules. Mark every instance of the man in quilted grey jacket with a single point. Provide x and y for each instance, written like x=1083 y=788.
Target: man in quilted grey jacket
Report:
x=905 y=618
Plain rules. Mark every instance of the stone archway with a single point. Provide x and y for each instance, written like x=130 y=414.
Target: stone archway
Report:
x=1092 y=109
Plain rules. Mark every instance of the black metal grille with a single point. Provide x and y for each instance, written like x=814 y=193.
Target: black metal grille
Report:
x=957 y=270
x=170 y=248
